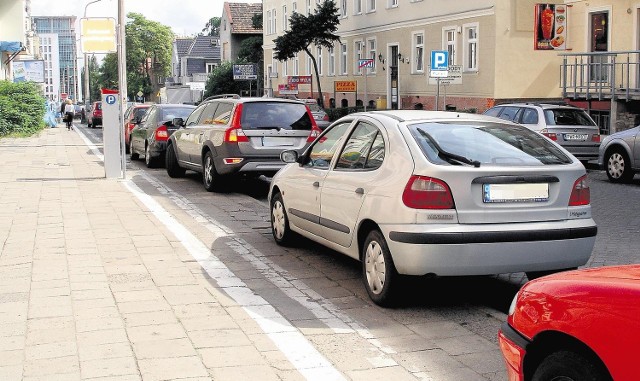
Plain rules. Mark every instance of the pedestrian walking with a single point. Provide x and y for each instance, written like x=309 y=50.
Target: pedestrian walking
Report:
x=69 y=111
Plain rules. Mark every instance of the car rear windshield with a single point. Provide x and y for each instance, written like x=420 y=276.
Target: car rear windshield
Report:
x=269 y=115
x=487 y=143
x=176 y=112
x=139 y=112
x=567 y=117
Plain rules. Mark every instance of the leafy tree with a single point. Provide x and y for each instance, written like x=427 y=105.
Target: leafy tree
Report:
x=22 y=108
x=221 y=81
x=108 y=77
x=95 y=83
x=316 y=29
x=212 y=28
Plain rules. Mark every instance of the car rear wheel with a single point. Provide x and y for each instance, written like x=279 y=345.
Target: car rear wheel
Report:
x=280 y=222
x=618 y=167
x=210 y=177
x=173 y=168
x=149 y=160
x=569 y=366
x=134 y=154
x=378 y=271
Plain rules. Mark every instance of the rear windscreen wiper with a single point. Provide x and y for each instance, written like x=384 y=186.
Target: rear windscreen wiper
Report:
x=444 y=155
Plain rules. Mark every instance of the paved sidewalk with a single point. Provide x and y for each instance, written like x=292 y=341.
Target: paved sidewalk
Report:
x=86 y=292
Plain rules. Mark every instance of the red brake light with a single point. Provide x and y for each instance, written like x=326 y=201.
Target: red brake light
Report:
x=424 y=192
x=235 y=134
x=595 y=138
x=580 y=194
x=550 y=135
x=162 y=133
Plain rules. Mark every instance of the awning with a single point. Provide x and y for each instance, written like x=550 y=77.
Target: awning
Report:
x=10 y=46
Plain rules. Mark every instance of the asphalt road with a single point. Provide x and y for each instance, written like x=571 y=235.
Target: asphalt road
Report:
x=476 y=303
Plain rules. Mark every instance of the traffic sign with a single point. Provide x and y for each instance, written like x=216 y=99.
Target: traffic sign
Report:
x=367 y=62
x=98 y=35
x=439 y=60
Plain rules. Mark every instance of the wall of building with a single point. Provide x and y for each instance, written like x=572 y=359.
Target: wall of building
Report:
x=12 y=28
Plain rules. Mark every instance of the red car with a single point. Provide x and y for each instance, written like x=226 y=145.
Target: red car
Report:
x=94 y=116
x=576 y=325
x=133 y=116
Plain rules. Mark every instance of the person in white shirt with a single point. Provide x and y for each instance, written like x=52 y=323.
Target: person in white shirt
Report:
x=69 y=111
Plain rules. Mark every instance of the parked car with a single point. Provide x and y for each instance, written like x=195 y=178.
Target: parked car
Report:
x=94 y=117
x=435 y=193
x=619 y=155
x=228 y=135
x=321 y=117
x=569 y=126
x=132 y=116
x=150 y=136
x=577 y=325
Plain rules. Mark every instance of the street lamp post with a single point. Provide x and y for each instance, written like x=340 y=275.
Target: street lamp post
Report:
x=87 y=93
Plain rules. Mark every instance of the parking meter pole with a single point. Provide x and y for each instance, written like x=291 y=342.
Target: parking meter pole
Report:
x=111 y=133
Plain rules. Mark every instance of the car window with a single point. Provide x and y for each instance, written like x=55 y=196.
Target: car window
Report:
x=195 y=115
x=567 y=117
x=493 y=111
x=509 y=113
x=356 y=153
x=150 y=118
x=269 y=115
x=490 y=143
x=529 y=116
x=168 y=113
x=139 y=112
x=207 y=116
x=223 y=113
x=326 y=146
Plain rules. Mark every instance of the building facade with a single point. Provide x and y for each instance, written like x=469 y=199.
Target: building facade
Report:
x=64 y=27
x=49 y=52
x=13 y=34
x=236 y=25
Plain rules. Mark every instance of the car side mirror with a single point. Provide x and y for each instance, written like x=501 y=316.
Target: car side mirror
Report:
x=289 y=156
x=178 y=122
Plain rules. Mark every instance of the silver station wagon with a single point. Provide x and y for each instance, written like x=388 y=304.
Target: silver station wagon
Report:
x=435 y=193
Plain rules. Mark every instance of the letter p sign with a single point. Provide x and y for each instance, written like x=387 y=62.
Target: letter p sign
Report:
x=439 y=60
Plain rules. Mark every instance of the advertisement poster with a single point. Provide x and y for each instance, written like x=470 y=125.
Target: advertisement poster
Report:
x=28 y=71
x=550 y=31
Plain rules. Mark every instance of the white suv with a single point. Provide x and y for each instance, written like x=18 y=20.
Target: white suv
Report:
x=569 y=126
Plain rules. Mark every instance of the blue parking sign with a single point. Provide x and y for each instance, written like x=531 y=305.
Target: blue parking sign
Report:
x=439 y=60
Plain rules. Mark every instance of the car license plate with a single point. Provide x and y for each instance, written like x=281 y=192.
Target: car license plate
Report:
x=272 y=141
x=499 y=193
x=580 y=137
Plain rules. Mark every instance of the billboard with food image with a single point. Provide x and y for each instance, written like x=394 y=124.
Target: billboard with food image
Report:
x=550 y=31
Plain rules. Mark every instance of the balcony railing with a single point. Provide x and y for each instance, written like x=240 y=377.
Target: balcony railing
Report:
x=602 y=75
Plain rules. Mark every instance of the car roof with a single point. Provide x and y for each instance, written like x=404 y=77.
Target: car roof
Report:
x=544 y=106
x=239 y=99
x=423 y=115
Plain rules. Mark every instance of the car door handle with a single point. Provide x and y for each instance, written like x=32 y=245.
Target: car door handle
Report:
x=359 y=191
x=316 y=184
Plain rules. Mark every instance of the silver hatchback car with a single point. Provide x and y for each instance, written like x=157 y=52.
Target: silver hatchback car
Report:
x=435 y=193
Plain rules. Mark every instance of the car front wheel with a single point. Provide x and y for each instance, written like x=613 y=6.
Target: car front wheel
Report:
x=134 y=154
x=149 y=160
x=567 y=365
x=618 y=167
x=378 y=271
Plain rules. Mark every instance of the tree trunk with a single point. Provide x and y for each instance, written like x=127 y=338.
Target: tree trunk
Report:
x=315 y=69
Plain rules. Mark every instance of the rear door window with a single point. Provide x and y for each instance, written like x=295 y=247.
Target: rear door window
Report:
x=529 y=116
x=359 y=152
x=208 y=114
x=195 y=115
x=326 y=146
x=493 y=111
x=223 y=113
x=509 y=113
x=275 y=115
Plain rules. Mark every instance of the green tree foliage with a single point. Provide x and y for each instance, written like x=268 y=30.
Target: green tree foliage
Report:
x=22 y=108
x=149 y=49
x=212 y=28
x=94 y=78
x=251 y=52
x=316 y=29
x=221 y=81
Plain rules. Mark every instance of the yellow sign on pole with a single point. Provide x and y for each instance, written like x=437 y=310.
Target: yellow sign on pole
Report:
x=98 y=35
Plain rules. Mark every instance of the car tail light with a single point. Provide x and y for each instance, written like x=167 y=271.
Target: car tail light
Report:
x=315 y=132
x=424 y=192
x=162 y=133
x=235 y=134
x=595 y=138
x=232 y=160
x=550 y=135
x=513 y=356
x=580 y=194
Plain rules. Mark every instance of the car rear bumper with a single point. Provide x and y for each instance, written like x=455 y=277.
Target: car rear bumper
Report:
x=96 y=121
x=450 y=250
x=583 y=152
x=258 y=166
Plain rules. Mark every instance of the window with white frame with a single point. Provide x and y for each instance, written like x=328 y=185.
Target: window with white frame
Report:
x=274 y=64
x=309 y=7
x=470 y=47
x=394 y=3
x=449 y=43
x=343 y=59
x=285 y=67
x=372 y=52
x=319 y=59
x=294 y=7
x=371 y=5
x=269 y=31
x=274 y=19
x=343 y=8
x=296 y=65
x=358 y=50
x=332 y=61
x=211 y=67
x=357 y=7
x=418 y=52
x=285 y=20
